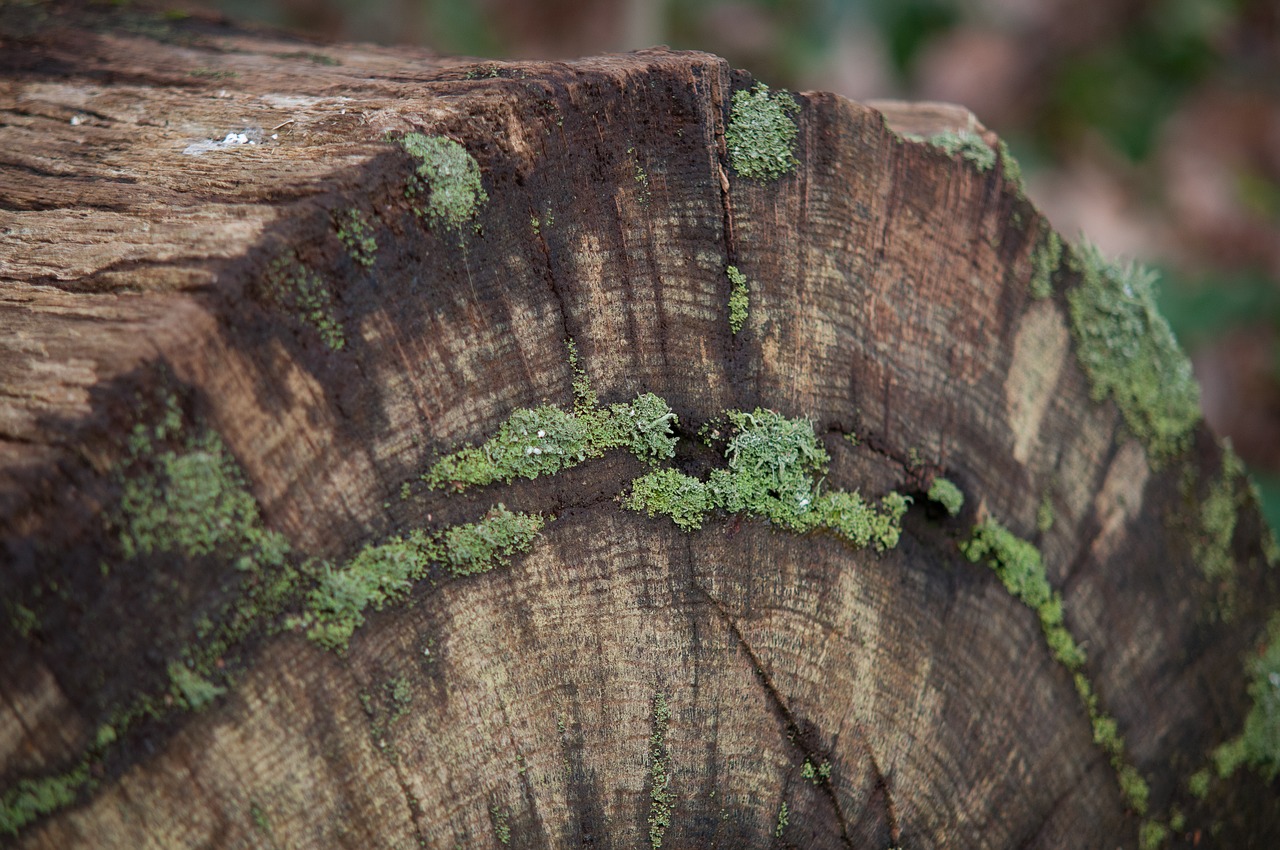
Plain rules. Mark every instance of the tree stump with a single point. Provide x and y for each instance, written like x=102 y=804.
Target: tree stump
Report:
x=816 y=496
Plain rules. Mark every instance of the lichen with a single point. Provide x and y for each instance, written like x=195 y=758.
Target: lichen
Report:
x=660 y=796
x=1211 y=544
x=356 y=237
x=1129 y=353
x=1010 y=167
x=1019 y=567
x=501 y=827
x=190 y=689
x=816 y=775
x=761 y=134
x=1045 y=260
x=1045 y=514
x=445 y=188
x=784 y=818
x=968 y=145
x=1258 y=744
x=774 y=464
x=739 y=298
x=303 y=293
x=480 y=546
x=30 y=799
x=1152 y=835
x=947 y=494
x=546 y=439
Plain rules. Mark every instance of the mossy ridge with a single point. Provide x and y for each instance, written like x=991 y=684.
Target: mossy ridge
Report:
x=445 y=188
x=1020 y=568
x=1045 y=260
x=30 y=799
x=546 y=439
x=1211 y=541
x=761 y=135
x=1258 y=744
x=1129 y=353
x=355 y=235
x=773 y=473
x=384 y=573
x=739 y=299
x=301 y=292
x=967 y=144
x=660 y=796
x=946 y=493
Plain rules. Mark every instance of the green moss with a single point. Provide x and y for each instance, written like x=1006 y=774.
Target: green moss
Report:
x=479 y=547
x=377 y=575
x=1045 y=260
x=1044 y=514
x=1129 y=353
x=966 y=144
x=816 y=775
x=947 y=494
x=1198 y=783
x=1009 y=166
x=784 y=818
x=445 y=188
x=190 y=689
x=1258 y=744
x=774 y=464
x=761 y=135
x=1177 y=819
x=1152 y=835
x=739 y=298
x=660 y=796
x=303 y=293
x=670 y=493
x=501 y=827
x=1020 y=568
x=35 y=798
x=1211 y=545
x=356 y=237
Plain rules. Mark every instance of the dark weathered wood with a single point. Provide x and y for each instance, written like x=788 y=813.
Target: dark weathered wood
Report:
x=889 y=298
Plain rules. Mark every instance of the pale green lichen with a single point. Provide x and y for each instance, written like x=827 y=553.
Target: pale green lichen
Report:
x=660 y=796
x=356 y=237
x=947 y=494
x=1258 y=744
x=1019 y=567
x=761 y=135
x=784 y=818
x=968 y=145
x=739 y=299
x=300 y=291
x=445 y=188
x=478 y=547
x=1152 y=835
x=1045 y=260
x=1211 y=544
x=546 y=439
x=816 y=775
x=774 y=464
x=671 y=493
x=1010 y=167
x=190 y=689
x=1129 y=353
x=375 y=576
x=501 y=826
x=30 y=799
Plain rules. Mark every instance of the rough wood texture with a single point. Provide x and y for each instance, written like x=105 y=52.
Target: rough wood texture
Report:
x=889 y=298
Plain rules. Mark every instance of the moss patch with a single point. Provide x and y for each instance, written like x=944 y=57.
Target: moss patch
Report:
x=356 y=236
x=968 y=145
x=761 y=135
x=445 y=188
x=301 y=292
x=1045 y=260
x=1211 y=544
x=1258 y=744
x=774 y=464
x=660 y=796
x=1020 y=569
x=947 y=494
x=34 y=798
x=739 y=299
x=480 y=546
x=1129 y=353
x=190 y=689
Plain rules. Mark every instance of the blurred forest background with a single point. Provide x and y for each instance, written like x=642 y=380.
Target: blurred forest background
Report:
x=1150 y=126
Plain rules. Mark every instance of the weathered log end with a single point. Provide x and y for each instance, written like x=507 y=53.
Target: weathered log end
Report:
x=412 y=451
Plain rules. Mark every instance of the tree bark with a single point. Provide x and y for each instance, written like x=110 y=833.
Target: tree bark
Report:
x=184 y=289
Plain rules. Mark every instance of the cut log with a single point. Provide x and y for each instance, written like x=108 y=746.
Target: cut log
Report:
x=259 y=296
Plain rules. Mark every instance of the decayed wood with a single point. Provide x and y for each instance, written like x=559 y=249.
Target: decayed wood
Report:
x=889 y=298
